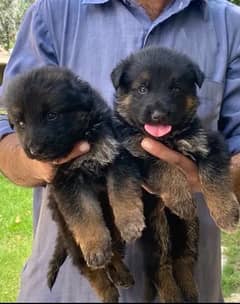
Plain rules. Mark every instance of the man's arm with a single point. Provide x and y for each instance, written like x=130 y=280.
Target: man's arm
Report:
x=187 y=166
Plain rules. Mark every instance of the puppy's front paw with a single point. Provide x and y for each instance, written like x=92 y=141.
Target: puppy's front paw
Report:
x=98 y=254
x=131 y=226
x=227 y=218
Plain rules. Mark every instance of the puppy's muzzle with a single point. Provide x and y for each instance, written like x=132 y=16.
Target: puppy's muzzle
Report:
x=34 y=151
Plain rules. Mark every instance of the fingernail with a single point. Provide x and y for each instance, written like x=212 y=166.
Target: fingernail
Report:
x=146 y=144
x=84 y=147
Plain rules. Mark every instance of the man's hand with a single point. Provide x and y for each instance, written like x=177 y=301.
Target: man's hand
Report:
x=175 y=158
x=24 y=171
x=46 y=170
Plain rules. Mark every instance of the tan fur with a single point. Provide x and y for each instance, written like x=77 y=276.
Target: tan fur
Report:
x=103 y=280
x=94 y=240
x=100 y=282
x=191 y=103
x=171 y=184
x=123 y=105
x=127 y=208
x=223 y=205
x=142 y=78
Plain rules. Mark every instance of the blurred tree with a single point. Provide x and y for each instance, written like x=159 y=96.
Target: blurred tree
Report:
x=236 y=1
x=11 y=15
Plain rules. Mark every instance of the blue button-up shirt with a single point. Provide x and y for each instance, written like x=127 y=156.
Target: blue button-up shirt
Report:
x=91 y=37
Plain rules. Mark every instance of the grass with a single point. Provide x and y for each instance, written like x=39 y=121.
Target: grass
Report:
x=231 y=270
x=15 y=236
x=16 y=240
x=2 y=112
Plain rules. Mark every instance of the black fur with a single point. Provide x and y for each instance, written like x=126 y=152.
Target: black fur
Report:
x=156 y=87
x=51 y=109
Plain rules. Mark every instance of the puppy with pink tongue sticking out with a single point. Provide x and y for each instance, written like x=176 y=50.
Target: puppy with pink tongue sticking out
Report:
x=156 y=96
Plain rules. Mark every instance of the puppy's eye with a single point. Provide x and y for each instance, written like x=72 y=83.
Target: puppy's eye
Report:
x=142 y=89
x=21 y=124
x=52 y=115
x=176 y=90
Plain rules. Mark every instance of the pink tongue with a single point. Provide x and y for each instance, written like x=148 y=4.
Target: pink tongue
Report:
x=157 y=130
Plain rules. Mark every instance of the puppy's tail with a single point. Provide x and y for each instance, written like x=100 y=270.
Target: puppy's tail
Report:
x=59 y=256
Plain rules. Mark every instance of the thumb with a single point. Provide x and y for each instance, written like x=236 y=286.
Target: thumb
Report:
x=161 y=151
x=79 y=149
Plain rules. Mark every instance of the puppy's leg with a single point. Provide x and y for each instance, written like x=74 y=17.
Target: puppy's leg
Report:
x=116 y=269
x=222 y=202
x=124 y=189
x=83 y=215
x=218 y=193
x=172 y=185
x=185 y=235
x=98 y=278
x=165 y=282
x=157 y=250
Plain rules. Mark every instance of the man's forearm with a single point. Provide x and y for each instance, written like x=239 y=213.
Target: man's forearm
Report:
x=15 y=165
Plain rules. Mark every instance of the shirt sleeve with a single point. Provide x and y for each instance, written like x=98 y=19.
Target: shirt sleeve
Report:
x=229 y=123
x=33 y=48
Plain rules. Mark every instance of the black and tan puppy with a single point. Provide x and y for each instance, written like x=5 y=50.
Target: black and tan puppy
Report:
x=51 y=109
x=156 y=97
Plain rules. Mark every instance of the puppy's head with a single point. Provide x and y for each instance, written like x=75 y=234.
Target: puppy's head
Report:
x=51 y=109
x=156 y=90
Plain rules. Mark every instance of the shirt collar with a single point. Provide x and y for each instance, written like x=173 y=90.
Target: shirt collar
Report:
x=94 y=1
x=125 y=1
x=202 y=4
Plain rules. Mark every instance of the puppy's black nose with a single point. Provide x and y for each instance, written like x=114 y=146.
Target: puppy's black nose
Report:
x=156 y=115
x=33 y=151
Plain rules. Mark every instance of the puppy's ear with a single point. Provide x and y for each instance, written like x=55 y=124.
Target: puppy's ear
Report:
x=118 y=73
x=198 y=74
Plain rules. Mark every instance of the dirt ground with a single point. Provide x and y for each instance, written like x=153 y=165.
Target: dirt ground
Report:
x=234 y=298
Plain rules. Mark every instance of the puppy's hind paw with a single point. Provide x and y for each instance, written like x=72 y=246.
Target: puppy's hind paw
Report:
x=110 y=295
x=120 y=276
x=131 y=227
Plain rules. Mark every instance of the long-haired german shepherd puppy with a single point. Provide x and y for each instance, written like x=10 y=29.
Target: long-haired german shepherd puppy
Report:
x=51 y=109
x=156 y=97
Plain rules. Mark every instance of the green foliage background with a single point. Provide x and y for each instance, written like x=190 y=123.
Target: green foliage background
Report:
x=11 y=14
x=235 y=1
